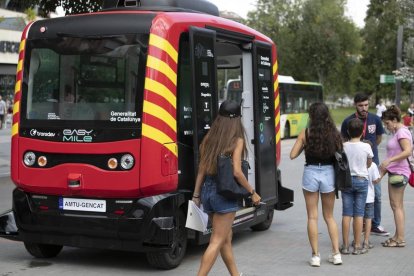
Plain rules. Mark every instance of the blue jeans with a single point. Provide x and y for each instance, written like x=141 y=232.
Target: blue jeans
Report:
x=353 y=200
x=376 y=221
x=369 y=211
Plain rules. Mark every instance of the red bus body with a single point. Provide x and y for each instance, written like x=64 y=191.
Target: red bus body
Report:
x=146 y=204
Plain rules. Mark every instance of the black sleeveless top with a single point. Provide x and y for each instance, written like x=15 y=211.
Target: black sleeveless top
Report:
x=315 y=160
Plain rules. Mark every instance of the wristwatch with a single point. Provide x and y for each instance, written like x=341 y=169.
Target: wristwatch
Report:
x=252 y=193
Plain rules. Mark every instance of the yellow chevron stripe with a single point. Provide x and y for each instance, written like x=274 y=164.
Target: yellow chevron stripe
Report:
x=20 y=65
x=164 y=45
x=275 y=66
x=15 y=129
x=22 y=45
x=160 y=137
x=276 y=84
x=16 y=107
x=161 y=114
x=277 y=101
x=160 y=89
x=278 y=135
x=17 y=87
x=277 y=119
x=162 y=67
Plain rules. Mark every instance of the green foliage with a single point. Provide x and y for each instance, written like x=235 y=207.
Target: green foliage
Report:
x=378 y=53
x=339 y=114
x=70 y=6
x=380 y=45
x=31 y=14
x=315 y=41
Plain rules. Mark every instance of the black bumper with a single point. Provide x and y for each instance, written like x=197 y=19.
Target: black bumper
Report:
x=139 y=225
x=8 y=228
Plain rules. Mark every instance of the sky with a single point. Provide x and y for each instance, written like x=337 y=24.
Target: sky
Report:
x=355 y=9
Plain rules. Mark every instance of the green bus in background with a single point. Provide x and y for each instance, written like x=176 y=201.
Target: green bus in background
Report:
x=295 y=99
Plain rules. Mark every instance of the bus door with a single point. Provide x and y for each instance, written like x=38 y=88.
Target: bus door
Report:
x=203 y=64
x=248 y=114
x=264 y=126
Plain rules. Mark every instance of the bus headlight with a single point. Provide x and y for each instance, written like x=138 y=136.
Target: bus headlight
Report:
x=42 y=161
x=127 y=161
x=29 y=158
x=112 y=163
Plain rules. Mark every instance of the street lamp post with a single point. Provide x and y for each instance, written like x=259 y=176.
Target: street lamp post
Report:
x=399 y=58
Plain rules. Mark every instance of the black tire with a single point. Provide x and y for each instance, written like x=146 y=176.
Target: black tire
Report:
x=286 y=132
x=265 y=224
x=43 y=250
x=173 y=258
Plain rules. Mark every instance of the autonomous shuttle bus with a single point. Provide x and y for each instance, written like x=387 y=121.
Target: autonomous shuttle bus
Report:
x=110 y=108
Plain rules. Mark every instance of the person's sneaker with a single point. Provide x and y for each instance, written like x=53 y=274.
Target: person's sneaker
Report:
x=344 y=250
x=379 y=231
x=359 y=251
x=336 y=259
x=315 y=260
x=368 y=245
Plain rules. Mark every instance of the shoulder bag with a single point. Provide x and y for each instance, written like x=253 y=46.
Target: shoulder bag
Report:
x=410 y=160
x=343 y=179
x=227 y=185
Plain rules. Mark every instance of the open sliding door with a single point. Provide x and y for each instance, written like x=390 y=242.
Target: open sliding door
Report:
x=203 y=65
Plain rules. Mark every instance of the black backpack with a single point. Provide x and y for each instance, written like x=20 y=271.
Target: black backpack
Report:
x=343 y=179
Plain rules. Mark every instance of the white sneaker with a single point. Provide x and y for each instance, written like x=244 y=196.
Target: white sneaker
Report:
x=336 y=259
x=315 y=260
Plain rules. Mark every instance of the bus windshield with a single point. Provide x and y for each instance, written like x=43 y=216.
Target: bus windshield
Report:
x=85 y=79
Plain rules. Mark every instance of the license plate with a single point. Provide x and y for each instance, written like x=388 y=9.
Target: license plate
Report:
x=82 y=204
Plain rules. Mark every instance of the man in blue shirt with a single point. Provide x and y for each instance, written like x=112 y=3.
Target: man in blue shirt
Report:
x=373 y=131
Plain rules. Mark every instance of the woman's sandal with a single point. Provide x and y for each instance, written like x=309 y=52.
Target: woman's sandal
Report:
x=393 y=243
x=384 y=243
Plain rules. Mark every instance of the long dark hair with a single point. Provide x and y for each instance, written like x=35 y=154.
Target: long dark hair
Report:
x=323 y=137
x=221 y=139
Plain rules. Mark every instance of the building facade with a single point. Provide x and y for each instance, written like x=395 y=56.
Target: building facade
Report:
x=11 y=28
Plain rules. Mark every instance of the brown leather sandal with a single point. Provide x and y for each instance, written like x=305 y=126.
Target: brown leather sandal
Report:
x=387 y=241
x=393 y=243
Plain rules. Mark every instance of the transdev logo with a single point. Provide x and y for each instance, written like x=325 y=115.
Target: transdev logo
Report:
x=36 y=133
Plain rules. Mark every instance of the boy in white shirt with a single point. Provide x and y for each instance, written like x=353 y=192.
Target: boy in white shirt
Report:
x=373 y=179
x=353 y=200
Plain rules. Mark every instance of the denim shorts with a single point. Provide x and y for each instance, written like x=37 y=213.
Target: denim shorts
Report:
x=318 y=178
x=213 y=202
x=369 y=210
x=353 y=199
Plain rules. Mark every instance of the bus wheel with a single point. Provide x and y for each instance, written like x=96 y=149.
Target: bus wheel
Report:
x=286 y=134
x=39 y=250
x=173 y=258
x=265 y=224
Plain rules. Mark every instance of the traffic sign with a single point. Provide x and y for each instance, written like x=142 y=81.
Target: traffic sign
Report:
x=387 y=79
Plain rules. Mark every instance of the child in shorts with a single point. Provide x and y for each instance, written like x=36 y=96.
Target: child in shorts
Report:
x=353 y=200
x=374 y=178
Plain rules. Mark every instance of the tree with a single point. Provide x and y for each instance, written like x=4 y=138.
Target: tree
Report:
x=380 y=44
x=315 y=41
x=48 y=6
x=279 y=20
